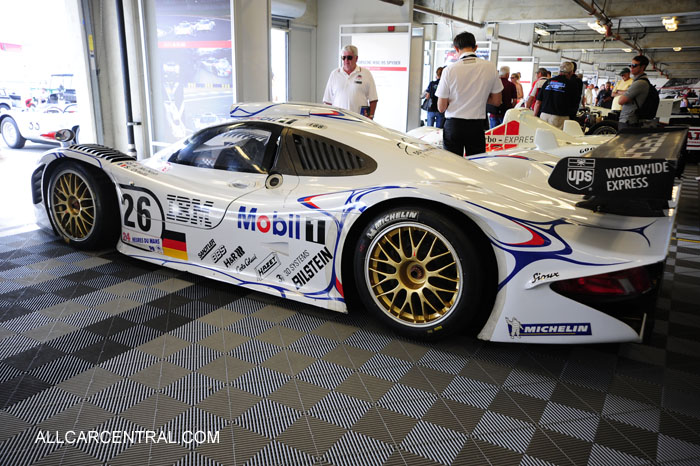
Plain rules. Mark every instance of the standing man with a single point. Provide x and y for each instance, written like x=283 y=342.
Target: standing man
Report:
x=636 y=94
x=605 y=96
x=435 y=118
x=465 y=88
x=541 y=79
x=620 y=88
x=351 y=87
x=508 y=97
x=558 y=96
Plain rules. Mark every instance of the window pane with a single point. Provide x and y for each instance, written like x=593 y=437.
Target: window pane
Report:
x=237 y=149
x=278 y=61
x=188 y=46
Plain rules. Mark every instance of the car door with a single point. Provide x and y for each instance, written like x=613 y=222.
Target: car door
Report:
x=178 y=206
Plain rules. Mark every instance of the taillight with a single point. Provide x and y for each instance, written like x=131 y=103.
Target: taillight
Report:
x=621 y=283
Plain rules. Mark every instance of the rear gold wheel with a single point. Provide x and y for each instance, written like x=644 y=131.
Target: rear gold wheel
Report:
x=413 y=274
x=419 y=272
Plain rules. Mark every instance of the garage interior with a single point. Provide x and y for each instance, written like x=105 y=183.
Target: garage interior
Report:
x=102 y=342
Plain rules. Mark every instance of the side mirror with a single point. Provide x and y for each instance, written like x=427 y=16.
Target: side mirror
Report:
x=65 y=136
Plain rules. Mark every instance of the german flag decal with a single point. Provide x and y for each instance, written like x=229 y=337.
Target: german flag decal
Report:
x=175 y=244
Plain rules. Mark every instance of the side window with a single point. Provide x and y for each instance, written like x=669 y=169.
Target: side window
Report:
x=238 y=148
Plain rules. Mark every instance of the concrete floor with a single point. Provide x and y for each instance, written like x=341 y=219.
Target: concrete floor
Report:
x=16 y=166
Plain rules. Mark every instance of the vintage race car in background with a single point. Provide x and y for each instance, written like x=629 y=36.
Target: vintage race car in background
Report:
x=319 y=205
x=521 y=129
x=19 y=126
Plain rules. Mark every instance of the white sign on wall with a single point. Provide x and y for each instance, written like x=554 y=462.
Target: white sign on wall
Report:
x=445 y=52
x=386 y=55
x=523 y=65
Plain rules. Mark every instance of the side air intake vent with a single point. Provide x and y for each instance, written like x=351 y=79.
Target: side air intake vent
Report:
x=36 y=184
x=324 y=157
x=102 y=152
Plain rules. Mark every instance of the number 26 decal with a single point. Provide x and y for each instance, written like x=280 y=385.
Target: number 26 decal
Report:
x=143 y=214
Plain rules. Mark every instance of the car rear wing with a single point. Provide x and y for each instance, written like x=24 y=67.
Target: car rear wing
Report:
x=632 y=174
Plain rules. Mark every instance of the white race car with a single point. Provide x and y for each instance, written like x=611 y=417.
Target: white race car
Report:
x=319 y=205
x=521 y=129
x=37 y=125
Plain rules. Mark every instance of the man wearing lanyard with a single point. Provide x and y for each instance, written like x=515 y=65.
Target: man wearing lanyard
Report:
x=465 y=88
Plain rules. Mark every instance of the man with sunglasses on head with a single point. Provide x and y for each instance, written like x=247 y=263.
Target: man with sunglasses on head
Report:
x=351 y=87
x=636 y=94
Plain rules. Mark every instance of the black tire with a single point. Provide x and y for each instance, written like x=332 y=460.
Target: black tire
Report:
x=4 y=108
x=604 y=127
x=439 y=304
x=83 y=206
x=10 y=133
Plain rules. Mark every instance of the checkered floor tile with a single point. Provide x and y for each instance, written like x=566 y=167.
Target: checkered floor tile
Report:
x=98 y=342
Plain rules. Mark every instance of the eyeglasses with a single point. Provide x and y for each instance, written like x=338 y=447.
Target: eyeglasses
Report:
x=347 y=57
x=634 y=65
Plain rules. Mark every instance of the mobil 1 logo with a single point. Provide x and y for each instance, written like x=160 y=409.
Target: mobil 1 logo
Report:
x=579 y=173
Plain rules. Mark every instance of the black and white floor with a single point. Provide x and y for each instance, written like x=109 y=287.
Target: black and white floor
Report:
x=101 y=343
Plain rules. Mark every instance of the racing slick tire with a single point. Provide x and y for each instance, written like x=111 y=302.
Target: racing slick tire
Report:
x=604 y=127
x=418 y=273
x=10 y=133
x=83 y=206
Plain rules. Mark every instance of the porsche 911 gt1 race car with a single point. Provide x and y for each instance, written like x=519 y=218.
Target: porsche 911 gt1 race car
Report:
x=323 y=206
x=521 y=129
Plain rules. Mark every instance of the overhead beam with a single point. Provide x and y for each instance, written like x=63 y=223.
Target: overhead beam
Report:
x=542 y=11
x=668 y=58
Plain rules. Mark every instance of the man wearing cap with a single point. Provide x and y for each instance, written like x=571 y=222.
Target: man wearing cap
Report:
x=620 y=88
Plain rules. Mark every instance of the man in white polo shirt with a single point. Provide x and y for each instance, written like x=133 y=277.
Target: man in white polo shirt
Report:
x=465 y=88
x=351 y=87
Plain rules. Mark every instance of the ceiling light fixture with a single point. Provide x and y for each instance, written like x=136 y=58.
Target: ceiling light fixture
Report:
x=627 y=50
x=597 y=27
x=541 y=32
x=671 y=24
x=677 y=49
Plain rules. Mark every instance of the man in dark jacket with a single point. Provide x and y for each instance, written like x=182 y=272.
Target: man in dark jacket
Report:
x=434 y=116
x=555 y=100
x=509 y=96
x=605 y=98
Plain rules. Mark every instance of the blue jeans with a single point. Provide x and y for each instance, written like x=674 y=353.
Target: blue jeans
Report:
x=437 y=118
x=495 y=120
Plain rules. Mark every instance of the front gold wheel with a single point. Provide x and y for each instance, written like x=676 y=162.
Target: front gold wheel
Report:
x=73 y=206
x=413 y=274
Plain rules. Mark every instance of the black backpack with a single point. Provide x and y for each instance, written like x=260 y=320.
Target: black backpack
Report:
x=647 y=110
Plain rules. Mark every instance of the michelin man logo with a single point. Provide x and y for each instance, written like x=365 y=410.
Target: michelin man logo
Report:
x=514 y=327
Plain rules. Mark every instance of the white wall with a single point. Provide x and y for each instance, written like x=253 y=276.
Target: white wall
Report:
x=333 y=13
x=251 y=49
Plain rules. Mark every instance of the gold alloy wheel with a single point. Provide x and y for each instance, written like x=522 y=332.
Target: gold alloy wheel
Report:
x=413 y=274
x=73 y=206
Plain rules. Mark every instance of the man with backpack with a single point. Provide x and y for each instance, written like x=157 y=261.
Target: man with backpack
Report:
x=641 y=100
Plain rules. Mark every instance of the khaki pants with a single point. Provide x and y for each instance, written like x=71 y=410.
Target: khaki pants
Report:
x=554 y=120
